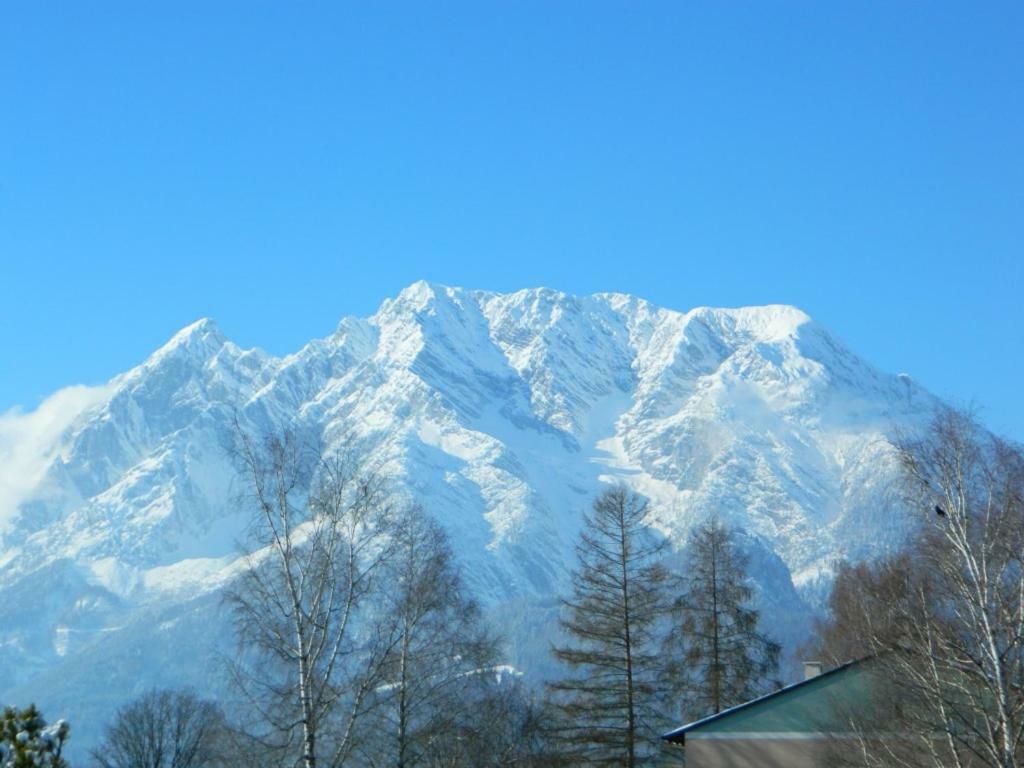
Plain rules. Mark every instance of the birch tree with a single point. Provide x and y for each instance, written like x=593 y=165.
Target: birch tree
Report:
x=963 y=651
x=308 y=658
x=950 y=637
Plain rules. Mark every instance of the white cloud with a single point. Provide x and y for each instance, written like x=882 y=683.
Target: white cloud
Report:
x=29 y=441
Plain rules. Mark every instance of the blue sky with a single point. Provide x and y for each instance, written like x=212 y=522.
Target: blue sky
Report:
x=279 y=165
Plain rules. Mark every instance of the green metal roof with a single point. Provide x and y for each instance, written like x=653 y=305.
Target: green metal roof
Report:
x=807 y=707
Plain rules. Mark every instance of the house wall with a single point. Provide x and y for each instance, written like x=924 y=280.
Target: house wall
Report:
x=761 y=752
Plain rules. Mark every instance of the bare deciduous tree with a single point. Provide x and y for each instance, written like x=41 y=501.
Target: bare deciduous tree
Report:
x=164 y=729
x=614 y=702
x=946 y=620
x=867 y=609
x=719 y=655
x=440 y=653
x=503 y=726
x=319 y=540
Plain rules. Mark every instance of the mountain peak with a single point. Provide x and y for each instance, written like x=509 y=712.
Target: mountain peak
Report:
x=197 y=341
x=502 y=414
x=203 y=331
x=203 y=325
x=767 y=322
x=421 y=292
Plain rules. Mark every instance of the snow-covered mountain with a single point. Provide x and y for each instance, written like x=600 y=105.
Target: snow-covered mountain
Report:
x=502 y=414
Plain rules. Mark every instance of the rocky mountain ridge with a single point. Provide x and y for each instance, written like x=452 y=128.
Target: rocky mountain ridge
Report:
x=502 y=414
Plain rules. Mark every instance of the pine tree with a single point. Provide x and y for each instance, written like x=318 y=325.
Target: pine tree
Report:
x=722 y=659
x=26 y=741
x=612 y=704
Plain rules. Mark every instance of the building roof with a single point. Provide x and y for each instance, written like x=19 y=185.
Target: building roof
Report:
x=805 y=707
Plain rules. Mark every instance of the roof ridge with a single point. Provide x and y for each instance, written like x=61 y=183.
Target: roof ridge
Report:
x=672 y=735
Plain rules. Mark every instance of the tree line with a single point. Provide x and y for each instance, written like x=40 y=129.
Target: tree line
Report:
x=358 y=643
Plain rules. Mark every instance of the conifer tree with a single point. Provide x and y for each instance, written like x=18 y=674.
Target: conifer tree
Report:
x=26 y=741
x=613 y=703
x=721 y=658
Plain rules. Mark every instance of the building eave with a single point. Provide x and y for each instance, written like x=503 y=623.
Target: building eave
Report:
x=678 y=736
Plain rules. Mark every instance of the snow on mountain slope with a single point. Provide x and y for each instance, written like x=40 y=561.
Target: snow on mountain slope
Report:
x=502 y=414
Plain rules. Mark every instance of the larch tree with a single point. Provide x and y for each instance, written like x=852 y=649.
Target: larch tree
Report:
x=720 y=656
x=612 y=704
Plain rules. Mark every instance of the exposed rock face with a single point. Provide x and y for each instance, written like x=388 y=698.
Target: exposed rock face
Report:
x=501 y=413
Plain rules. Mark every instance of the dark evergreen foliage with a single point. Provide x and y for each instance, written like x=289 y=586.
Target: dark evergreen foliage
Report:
x=26 y=741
